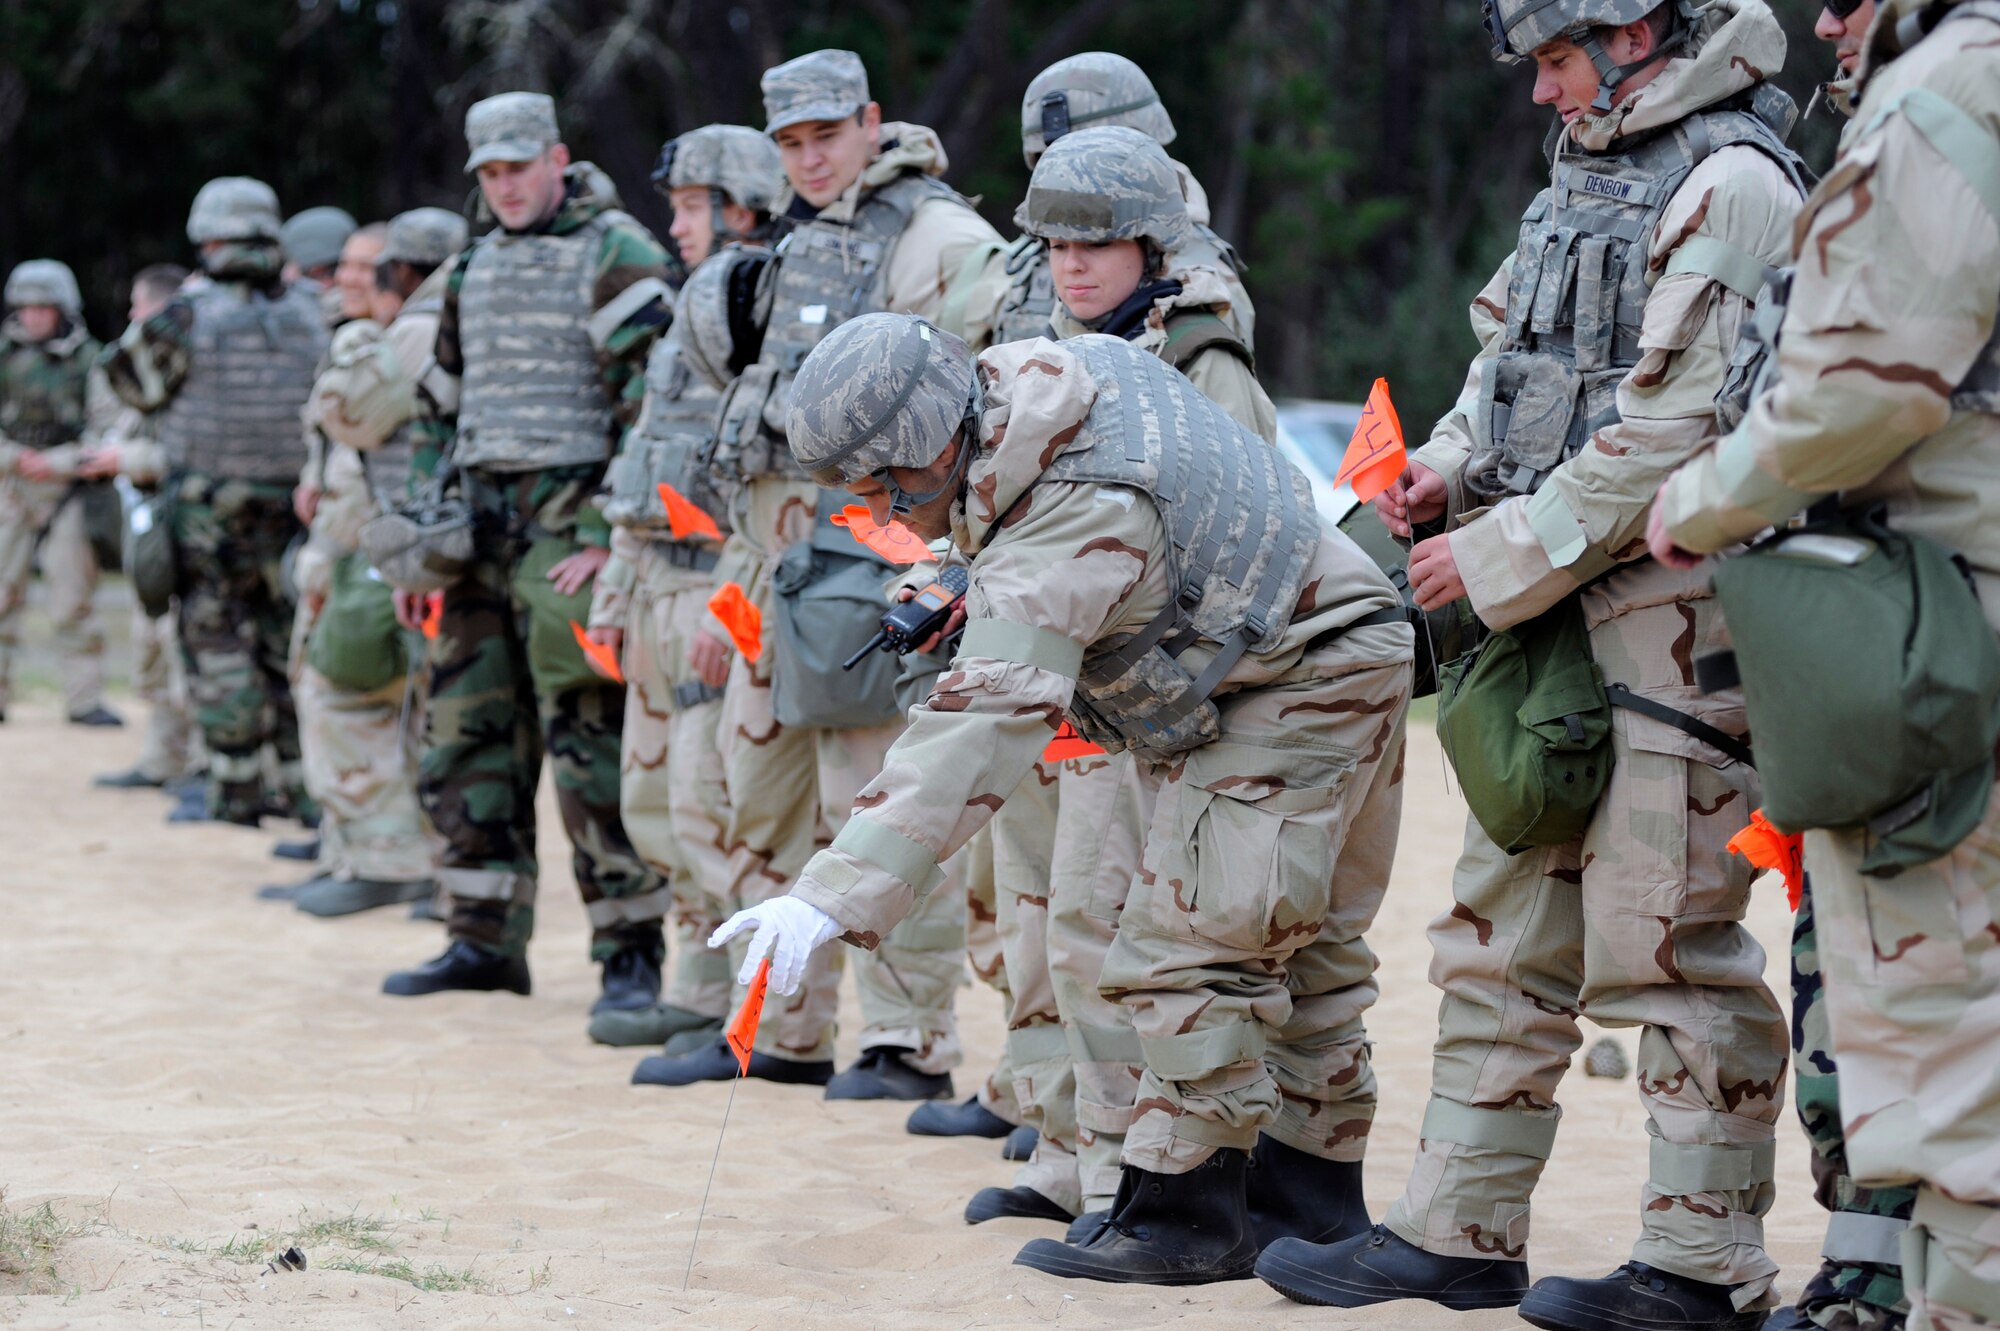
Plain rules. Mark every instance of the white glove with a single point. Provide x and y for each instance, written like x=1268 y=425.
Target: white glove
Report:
x=788 y=929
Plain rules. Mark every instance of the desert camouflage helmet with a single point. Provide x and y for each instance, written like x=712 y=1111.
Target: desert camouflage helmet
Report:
x=712 y=317
x=312 y=239
x=44 y=282
x=1094 y=88
x=880 y=391
x=734 y=159
x=1111 y=183
x=234 y=208
x=1519 y=28
x=424 y=237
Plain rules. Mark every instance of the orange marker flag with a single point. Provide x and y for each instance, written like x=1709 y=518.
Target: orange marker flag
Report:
x=600 y=655
x=685 y=518
x=433 y=614
x=1068 y=744
x=1768 y=848
x=1375 y=455
x=742 y=1033
x=895 y=542
x=741 y=617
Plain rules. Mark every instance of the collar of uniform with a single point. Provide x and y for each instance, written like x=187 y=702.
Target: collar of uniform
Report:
x=62 y=346
x=1738 y=45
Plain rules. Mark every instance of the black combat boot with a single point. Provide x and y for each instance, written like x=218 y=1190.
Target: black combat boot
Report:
x=654 y=1024
x=967 y=1119
x=1165 y=1229
x=332 y=897
x=631 y=981
x=882 y=1074
x=1298 y=1196
x=296 y=850
x=717 y=1062
x=1012 y=1203
x=461 y=965
x=1020 y=1144
x=1635 y=1297
x=1378 y=1266
x=97 y=718
x=130 y=779
x=290 y=891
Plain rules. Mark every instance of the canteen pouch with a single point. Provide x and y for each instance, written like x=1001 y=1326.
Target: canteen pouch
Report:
x=424 y=544
x=356 y=642
x=1527 y=725
x=1871 y=681
x=150 y=558
x=828 y=600
x=103 y=522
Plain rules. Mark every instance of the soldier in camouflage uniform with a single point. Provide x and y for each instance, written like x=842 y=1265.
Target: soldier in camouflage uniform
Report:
x=1607 y=335
x=653 y=595
x=1274 y=730
x=873 y=227
x=546 y=325
x=227 y=369
x=50 y=399
x=1887 y=392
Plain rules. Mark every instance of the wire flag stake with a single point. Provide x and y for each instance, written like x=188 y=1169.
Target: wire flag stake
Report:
x=742 y=1037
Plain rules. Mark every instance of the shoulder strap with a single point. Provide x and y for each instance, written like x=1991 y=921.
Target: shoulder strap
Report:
x=1958 y=138
x=1191 y=332
x=1620 y=696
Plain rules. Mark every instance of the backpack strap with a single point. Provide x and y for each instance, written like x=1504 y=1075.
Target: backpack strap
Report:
x=1620 y=696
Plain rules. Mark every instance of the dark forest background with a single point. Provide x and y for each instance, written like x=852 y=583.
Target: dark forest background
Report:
x=1366 y=156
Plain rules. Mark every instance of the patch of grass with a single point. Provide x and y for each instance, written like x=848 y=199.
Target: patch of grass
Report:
x=354 y=1232
x=435 y=1278
x=31 y=1245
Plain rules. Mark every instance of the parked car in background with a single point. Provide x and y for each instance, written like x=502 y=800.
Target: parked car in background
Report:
x=1315 y=435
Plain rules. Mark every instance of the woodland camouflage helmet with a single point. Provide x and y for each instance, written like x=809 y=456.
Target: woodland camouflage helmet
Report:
x=1110 y=183
x=735 y=163
x=44 y=282
x=233 y=208
x=881 y=391
x=713 y=320
x=1094 y=88
x=1519 y=28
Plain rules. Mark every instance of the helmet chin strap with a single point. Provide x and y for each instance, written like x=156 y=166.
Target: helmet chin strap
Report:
x=1611 y=75
x=902 y=502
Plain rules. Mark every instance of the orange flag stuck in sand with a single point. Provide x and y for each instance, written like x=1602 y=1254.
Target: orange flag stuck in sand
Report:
x=685 y=518
x=742 y=1034
x=741 y=617
x=1375 y=455
x=1068 y=744
x=1768 y=848
x=895 y=542
x=603 y=657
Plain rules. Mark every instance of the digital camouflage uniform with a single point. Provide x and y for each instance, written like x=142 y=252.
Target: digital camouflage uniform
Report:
x=227 y=368
x=537 y=420
x=1887 y=391
x=51 y=397
x=1637 y=921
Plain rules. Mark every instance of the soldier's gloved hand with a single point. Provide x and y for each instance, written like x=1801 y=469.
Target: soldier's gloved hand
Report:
x=788 y=930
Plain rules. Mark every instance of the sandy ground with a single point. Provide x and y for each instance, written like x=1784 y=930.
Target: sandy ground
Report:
x=188 y=1075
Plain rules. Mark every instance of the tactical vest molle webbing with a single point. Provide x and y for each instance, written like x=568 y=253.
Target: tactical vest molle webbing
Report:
x=1030 y=301
x=1241 y=533
x=1581 y=281
x=388 y=464
x=252 y=364
x=531 y=396
x=1191 y=332
x=43 y=389
x=666 y=447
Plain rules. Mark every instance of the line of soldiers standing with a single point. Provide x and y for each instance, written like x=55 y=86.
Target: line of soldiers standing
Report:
x=1177 y=913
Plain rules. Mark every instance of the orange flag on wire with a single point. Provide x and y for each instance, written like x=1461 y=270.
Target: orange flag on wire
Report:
x=895 y=542
x=1375 y=455
x=685 y=518
x=741 y=617
x=600 y=655
x=742 y=1033
x=433 y=614
x=1768 y=848
x=1068 y=744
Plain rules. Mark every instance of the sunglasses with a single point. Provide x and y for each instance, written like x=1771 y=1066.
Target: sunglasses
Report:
x=1842 y=9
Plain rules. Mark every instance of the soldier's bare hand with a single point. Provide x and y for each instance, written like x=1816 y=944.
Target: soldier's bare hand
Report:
x=1434 y=573
x=1660 y=544
x=708 y=657
x=305 y=502
x=410 y=610
x=98 y=464
x=33 y=466
x=605 y=637
x=572 y=575
x=1417 y=496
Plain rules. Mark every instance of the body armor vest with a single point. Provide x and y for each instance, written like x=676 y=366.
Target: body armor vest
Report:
x=531 y=397
x=666 y=447
x=388 y=464
x=1980 y=389
x=1031 y=294
x=1241 y=534
x=44 y=389
x=1580 y=285
x=825 y=273
x=253 y=362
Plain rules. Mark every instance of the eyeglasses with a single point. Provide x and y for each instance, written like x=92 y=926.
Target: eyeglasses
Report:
x=1842 y=9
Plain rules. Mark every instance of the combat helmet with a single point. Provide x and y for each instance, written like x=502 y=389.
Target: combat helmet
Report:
x=714 y=320
x=44 y=282
x=1519 y=28
x=423 y=238
x=313 y=238
x=734 y=162
x=1094 y=88
x=881 y=391
x=233 y=208
x=1109 y=183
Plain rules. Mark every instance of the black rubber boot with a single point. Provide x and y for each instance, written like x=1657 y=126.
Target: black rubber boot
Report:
x=130 y=779
x=966 y=1119
x=1165 y=1229
x=654 y=1025
x=1792 y=1318
x=631 y=981
x=1635 y=1297
x=881 y=1074
x=1379 y=1266
x=1294 y=1195
x=1012 y=1203
x=461 y=966
x=1020 y=1144
x=98 y=717
x=296 y=850
x=1084 y=1228
x=331 y=897
x=718 y=1063
x=289 y=891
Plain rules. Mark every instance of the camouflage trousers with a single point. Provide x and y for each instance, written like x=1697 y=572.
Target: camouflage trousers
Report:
x=360 y=763
x=671 y=792
x=47 y=511
x=790 y=791
x=1067 y=843
x=235 y=630
x=1239 y=954
x=172 y=745
x=1912 y=973
x=1859 y=1286
x=509 y=686
x=983 y=955
x=1636 y=922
